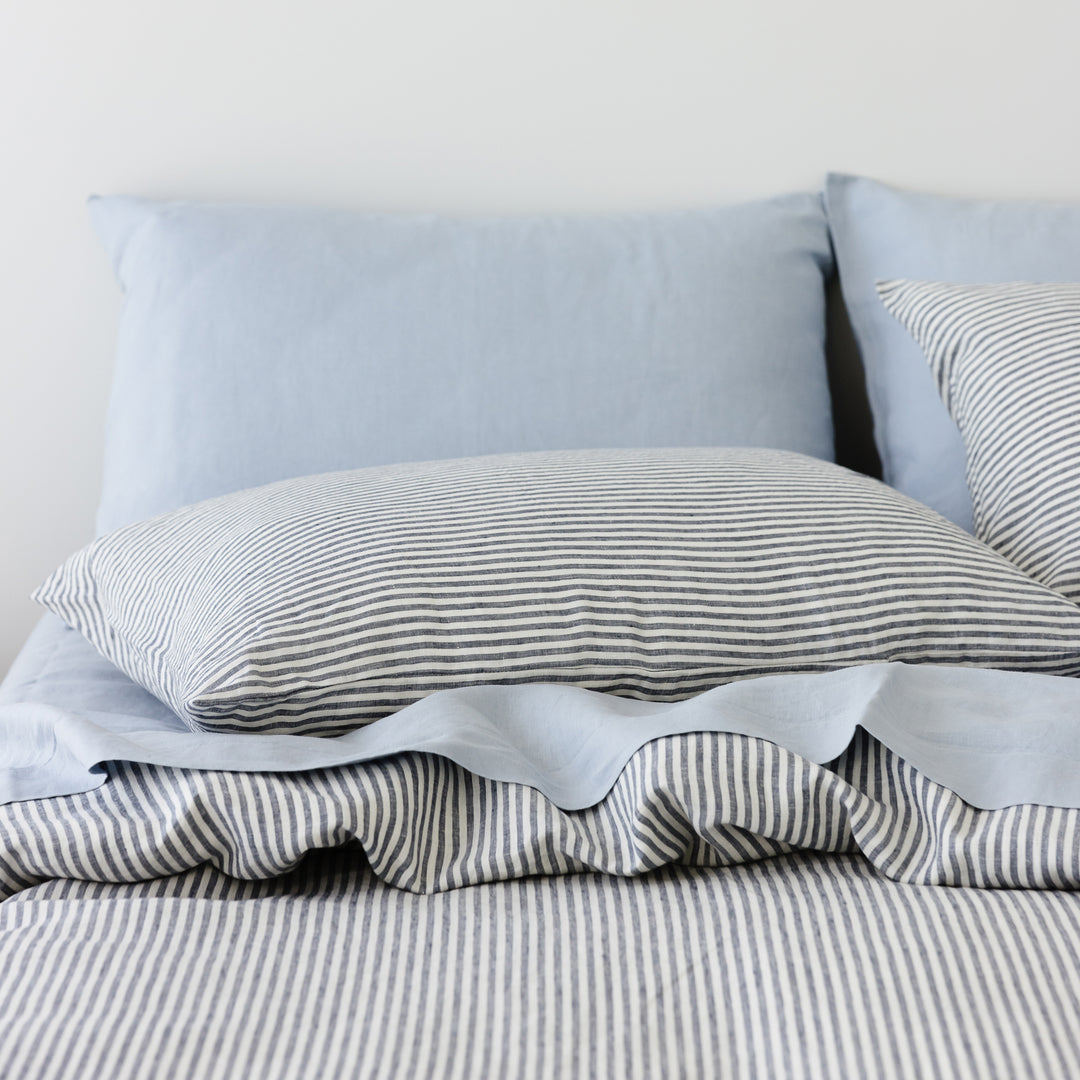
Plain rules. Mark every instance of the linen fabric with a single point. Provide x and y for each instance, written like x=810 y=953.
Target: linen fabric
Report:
x=702 y=799
x=881 y=233
x=802 y=964
x=317 y=604
x=1007 y=363
x=259 y=343
x=995 y=738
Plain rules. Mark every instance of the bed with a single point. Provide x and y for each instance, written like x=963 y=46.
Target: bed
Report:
x=483 y=668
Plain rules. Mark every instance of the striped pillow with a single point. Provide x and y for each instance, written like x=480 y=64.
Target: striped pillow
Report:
x=1007 y=362
x=317 y=604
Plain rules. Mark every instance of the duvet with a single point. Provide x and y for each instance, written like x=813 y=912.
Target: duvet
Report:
x=728 y=906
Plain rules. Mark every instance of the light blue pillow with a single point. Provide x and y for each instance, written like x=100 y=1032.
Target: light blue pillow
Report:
x=260 y=343
x=880 y=233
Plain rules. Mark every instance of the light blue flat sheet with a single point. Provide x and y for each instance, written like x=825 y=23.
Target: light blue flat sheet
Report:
x=996 y=738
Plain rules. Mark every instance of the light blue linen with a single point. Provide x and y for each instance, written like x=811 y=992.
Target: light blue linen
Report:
x=996 y=738
x=882 y=233
x=258 y=344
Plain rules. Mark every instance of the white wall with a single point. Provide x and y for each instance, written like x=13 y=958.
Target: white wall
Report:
x=495 y=105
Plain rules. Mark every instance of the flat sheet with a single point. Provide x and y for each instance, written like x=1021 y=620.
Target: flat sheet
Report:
x=996 y=738
x=798 y=966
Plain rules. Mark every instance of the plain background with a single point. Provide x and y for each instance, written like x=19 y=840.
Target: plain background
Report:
x=473 y=106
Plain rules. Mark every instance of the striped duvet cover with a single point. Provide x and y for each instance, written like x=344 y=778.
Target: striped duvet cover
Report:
x=730 y=909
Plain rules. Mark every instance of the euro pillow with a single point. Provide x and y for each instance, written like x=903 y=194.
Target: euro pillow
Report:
x=262 y=343
x=1007 y=362
x=881 y=233
x=314 y=605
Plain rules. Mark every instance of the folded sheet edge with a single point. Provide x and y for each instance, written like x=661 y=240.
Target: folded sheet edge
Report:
x=995 y=738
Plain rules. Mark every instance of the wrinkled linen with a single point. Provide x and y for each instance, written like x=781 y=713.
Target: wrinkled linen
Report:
x=753 y=907
x=427 y=825
x=995 y=738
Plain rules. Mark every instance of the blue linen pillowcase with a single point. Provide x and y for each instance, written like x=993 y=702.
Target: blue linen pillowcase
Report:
x=259 y=343
x=881 y=233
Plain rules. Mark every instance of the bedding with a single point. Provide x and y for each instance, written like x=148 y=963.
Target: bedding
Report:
x=870 y=870
x=796 y=966
x=882 y=233
x=996 y=738
x=259 y=343
x=710 y=799
x=1007 y=362
x=313 y=605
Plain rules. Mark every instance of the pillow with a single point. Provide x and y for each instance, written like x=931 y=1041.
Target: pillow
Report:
x=879 y=233
x=1007 y=362
x=314 y=605
x=263 y=343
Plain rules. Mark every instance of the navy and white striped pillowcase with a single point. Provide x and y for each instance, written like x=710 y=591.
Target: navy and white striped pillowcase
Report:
x=1007 y=362
x=317 y=604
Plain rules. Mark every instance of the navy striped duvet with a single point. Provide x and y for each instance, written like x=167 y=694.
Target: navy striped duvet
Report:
x=756 y=915
x=427 y=825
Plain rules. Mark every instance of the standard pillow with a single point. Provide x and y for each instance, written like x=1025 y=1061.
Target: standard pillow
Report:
x=1007 y=362
x=881 y=233
x=317 y=604
x=263 y=343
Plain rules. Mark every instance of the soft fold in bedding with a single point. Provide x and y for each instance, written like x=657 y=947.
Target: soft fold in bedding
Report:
x=995 y=738
x=426 y=825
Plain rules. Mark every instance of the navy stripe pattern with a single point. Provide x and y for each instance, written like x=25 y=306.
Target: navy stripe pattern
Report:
x=1007 y=362
x=426 y=825
x=316 y=604
x=800 y=966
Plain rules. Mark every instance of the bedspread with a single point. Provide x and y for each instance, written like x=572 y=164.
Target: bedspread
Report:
x=801 y=965
x=428 y=825
x=729 y=907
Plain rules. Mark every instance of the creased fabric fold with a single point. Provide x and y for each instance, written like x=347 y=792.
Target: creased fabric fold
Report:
x=428 y=825
x=996 y=738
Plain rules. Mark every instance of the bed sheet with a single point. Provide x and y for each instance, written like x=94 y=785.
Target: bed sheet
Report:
x=728 y=907
x=996 y=738
x=800 y=965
